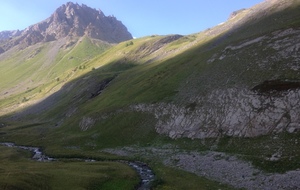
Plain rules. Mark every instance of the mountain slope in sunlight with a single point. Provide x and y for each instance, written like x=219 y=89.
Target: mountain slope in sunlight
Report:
x=217 y=74
x=168 y=100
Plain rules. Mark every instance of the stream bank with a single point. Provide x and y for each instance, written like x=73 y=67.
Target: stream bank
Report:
x=144 y=171
x=218 y=166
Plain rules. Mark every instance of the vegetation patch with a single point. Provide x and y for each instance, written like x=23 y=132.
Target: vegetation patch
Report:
x=17 y=171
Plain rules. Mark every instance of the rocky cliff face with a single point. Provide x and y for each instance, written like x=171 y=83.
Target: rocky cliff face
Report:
x=269 y=101
x=5 y=35
x=232 y=112
x=235 y=13
x=71 y=20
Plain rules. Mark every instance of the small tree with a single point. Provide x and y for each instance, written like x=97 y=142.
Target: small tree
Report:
x=129 y=43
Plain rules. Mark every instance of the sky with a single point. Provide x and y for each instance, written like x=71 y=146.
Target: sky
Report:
x=141 y=17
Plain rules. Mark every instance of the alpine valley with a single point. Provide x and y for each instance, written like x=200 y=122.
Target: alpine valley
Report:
x=218 y=109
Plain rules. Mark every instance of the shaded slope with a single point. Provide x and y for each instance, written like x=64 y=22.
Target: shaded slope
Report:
x=41 y=69
x=209 y=74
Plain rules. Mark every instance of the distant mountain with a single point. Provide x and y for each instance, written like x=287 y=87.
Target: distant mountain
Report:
x=4 y=35
x=71 y=20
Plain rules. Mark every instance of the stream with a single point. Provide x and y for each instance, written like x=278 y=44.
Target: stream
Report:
x=146 y=174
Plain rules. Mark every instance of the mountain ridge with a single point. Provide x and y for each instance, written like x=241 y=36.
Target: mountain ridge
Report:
x=156 y=48
x=69 y=20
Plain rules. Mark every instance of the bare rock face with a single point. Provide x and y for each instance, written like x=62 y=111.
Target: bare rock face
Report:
x=6 y=39
x=235 y=13
x=71 y=20
x=86 y=123
x=231 y=112
x=4 y=35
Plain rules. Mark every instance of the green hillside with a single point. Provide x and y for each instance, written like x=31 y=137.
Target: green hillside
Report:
x=40 y=70
x=163 y=91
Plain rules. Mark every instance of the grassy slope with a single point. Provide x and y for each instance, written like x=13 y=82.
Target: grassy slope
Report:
x=85 y=142
x=42 y=134
x=43 y=68
x=161 y=80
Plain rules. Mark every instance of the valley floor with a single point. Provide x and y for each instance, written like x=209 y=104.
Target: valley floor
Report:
x=218 y=166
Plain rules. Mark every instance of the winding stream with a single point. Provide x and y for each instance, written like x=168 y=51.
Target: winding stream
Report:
x=146 y=174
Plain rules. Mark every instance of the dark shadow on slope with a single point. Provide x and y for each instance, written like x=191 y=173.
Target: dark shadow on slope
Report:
x=275 y=86
x=72 y=94
x=75 y=93
x=101 y=86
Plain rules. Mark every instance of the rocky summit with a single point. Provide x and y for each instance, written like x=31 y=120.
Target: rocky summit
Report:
x=72 y=20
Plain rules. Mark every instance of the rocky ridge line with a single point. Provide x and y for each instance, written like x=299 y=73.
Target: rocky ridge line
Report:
x=69 y=20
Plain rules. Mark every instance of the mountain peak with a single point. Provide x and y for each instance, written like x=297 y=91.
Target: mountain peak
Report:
x=74 y=20
x=77 y=20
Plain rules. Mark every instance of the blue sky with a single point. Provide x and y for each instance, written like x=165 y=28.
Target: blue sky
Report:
x=141 y=17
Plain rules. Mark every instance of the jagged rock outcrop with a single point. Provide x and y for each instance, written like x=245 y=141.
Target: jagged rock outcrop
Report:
x=235 y=13
x=71 y=20
x=231 y=112
x=4 y=35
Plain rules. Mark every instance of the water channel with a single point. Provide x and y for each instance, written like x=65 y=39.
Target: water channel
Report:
x=146 y=174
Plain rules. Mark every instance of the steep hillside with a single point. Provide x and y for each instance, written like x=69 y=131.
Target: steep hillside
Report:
x=165 y=98
x=30 y=74
x=229 y=80
x=225 y=83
